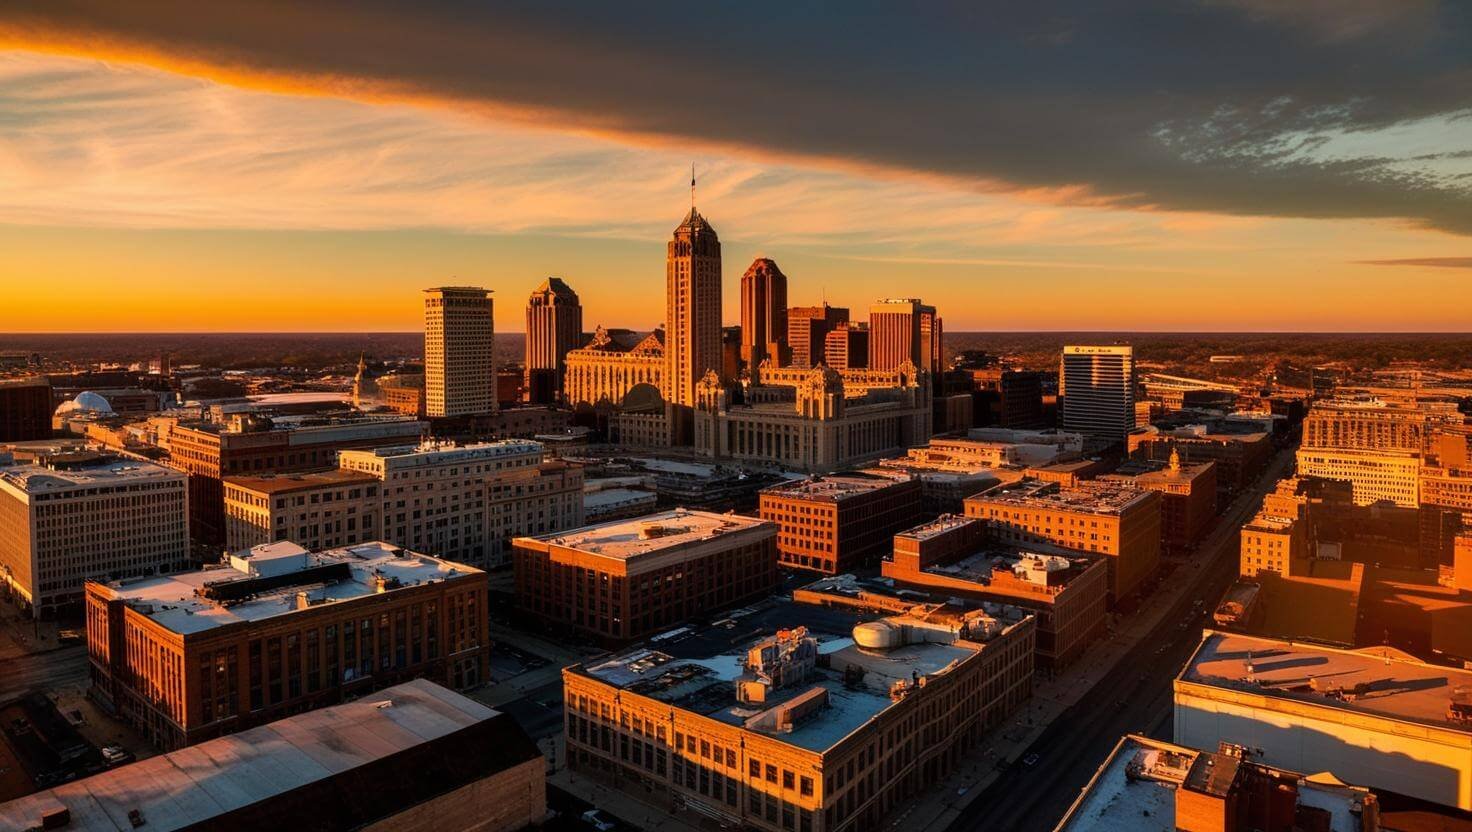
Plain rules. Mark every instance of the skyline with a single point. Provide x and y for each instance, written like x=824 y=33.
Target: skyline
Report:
x=158 y=176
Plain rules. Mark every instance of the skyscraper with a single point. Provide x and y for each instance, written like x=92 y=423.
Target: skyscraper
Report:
x=763 y=313
x=1097 y=386
x=554 y=326
x=847 y=346
x=904 y=329
x=807 y=331
x=459 y=355
x=693 y=308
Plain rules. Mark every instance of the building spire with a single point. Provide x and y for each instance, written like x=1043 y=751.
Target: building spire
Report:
x=692 y=187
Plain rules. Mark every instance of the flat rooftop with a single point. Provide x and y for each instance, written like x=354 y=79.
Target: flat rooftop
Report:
x=384 y=425
x=978 y=567
x=201 y=784
x=1095 y=498
x=1374 y=681
x=41 y=479
x=606 y=497
x=282 y=483
x=637 y=536
x=834 y=488
x=695 y=670
x=941 y=525
x=435 y=452
x=1135 y=791
x=278 y=572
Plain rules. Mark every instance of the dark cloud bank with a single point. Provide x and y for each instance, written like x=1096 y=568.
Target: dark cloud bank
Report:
x=1209 y=105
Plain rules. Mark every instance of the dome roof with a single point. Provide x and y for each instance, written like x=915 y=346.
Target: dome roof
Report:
x=86 y=402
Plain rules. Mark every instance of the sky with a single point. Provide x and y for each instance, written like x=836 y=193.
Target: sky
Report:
x=1200 y=165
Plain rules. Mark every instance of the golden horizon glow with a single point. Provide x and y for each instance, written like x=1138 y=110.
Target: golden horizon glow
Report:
x=172 y=203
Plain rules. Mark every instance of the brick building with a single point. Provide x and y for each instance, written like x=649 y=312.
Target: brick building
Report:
x=1119 y=522
x=247 y=446
x=832 y=524
x=1188 y=497
x=806 y=731
x=1240 y=451
x=629 y=579
x=1066 y=591
x=278 y=629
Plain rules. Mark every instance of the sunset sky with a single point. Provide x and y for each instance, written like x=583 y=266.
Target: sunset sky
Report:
x=1192 y=165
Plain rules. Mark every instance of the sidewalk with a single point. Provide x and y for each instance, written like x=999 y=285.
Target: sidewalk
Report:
x=508 y=690
x=943 y=803
x=654 y=815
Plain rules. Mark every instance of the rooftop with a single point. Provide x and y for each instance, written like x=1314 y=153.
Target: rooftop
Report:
x=1093 y=498
x=634 y=537
x=606 y=497
x=1135 y=790
x=282 y=483
x=42 y=479
x=830 y=489
x=277 y=579
x=940 y=525
x=431 y=452
x=696 y=670
x=200 y=785
x=1374 y=681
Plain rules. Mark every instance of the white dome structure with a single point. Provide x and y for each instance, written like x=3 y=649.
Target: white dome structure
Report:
x=85 y=402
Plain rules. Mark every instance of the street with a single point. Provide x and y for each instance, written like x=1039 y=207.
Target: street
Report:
x=1134 y=697
x=51 y=671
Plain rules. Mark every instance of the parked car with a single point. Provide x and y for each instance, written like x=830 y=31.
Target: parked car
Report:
x=596 y=819
x=116 y=755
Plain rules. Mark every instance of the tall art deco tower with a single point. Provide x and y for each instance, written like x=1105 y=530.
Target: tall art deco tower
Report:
x=693 y=308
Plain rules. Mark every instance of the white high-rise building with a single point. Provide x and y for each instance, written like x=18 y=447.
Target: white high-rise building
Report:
x=459 y=353
x=1097 y=385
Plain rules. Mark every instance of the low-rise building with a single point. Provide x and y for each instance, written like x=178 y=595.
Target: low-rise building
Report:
x=1187 y=497
x=413 y=757
x=835 y=523
x=628 y=579
x=278 y=629
x=826 y=722
x=250 y=445
x=1118 y=522
x=1240 y=450
x=1366 y=716
x=1377 y=476
x=464 y=502
x=81 y=516
x=614 y=503
x=1148 y=785
x=1066 y=591
x=316 y=509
